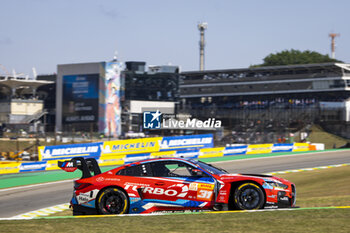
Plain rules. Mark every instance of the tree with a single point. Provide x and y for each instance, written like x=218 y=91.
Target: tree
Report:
x=294 y=57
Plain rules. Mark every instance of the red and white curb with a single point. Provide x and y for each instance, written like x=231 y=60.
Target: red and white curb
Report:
x=59 y=208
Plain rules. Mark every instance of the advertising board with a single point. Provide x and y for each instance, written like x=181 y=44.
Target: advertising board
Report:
x=80 y=98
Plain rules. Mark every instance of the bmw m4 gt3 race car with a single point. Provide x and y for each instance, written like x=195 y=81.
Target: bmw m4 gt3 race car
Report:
x=172 y=185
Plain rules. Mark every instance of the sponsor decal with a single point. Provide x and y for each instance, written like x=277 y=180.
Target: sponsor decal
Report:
x=193 y=186
x=100 y=179
x=223 y=192
x=171 y=191
x=84 y=198
x=204 y=195
x=112 y=179
x=221 y=198
x=69 y=166
x=206 y=186
x=136 y=184
x=184 y=189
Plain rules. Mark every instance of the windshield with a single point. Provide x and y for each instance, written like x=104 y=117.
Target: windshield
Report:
x=210 y=168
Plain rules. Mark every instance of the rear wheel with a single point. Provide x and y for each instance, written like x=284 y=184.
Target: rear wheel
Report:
x=249 y=196
x=112 y=201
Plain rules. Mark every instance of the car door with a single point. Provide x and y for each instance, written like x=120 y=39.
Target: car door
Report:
x=177 y=183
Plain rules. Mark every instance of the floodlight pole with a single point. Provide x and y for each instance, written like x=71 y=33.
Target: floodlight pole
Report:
x=332 y=36
x=201 y=27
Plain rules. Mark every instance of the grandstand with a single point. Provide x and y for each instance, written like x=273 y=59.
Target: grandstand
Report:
x=254 y=102
x=23 y=102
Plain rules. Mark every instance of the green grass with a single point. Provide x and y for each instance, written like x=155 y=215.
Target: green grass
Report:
x=332 y=220
x=318 y=135
x=325 y=187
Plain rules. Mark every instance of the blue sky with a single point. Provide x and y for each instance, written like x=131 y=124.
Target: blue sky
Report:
x=240 y=33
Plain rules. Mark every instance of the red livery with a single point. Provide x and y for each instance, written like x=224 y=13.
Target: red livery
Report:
x=172 y=185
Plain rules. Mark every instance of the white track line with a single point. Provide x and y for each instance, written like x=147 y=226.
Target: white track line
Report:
x=205 y=212
x=272 y=157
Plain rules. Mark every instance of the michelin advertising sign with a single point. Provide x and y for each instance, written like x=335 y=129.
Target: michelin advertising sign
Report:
x=125 y=147
x=69 y=151
x=184 y=142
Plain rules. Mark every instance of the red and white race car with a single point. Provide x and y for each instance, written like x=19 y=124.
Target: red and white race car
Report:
x=172 y=185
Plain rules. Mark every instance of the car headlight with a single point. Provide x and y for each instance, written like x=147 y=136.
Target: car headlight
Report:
x=277 y=184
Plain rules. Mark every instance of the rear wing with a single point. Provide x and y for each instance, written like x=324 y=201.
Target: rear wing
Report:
x=85 y=165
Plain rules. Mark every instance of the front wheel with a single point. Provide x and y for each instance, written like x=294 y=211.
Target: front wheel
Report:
x=249 y=196
x=112 y=201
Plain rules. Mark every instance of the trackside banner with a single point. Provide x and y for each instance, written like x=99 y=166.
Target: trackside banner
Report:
x=32 y=167
x=123 y=148
x=259 y=149
x=300 y=147
x=191 y=141
x=288 y=147
x=211 y=152
x=51 y=154
x=131 y=146
x=9 y=167
x=149 y=145
x=70 y=151
x=235 y=150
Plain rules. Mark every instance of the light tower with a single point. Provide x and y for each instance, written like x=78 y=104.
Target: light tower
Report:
x=201 y=27
x=332 y=36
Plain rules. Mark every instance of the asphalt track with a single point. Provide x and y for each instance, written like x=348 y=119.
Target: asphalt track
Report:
x=18 y=200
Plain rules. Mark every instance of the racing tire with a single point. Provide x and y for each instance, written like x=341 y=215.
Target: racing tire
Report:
x=112 y=201
x=249 y=196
